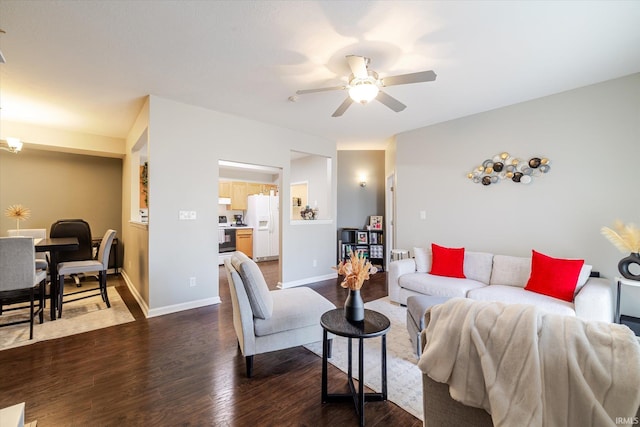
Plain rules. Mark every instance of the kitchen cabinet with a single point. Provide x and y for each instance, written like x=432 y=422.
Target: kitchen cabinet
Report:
x=260 y=188
x=239 y=195
x=244 y=241
x=224 y=189
x=254 y=188
x=267 y=188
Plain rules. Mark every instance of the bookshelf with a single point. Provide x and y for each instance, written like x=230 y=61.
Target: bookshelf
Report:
x=368 y=242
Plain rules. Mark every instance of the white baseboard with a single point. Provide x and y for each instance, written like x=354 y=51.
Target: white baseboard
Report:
x=136 y=295
x=306 y=281
x=183 y=306
x=166 y=309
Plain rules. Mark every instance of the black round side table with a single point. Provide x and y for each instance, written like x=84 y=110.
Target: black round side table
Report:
x=374 y=325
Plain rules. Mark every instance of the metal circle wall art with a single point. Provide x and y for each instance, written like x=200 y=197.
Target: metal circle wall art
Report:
x=504 y=166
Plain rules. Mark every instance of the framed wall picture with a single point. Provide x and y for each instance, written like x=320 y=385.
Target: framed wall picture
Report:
x=362 y=237
x=375 y=222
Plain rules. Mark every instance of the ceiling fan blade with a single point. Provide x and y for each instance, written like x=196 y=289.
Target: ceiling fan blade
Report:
x=358 y=65
x=343 y=107
x=390 y=102
x=322 y=89
x=403 y=79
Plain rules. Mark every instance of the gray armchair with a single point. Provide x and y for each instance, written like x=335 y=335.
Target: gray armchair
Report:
x=266 y=320
x=19 y=279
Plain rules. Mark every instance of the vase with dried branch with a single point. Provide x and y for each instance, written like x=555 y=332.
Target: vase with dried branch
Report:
x=626 y=238
x=19 y=213
x=355 y=270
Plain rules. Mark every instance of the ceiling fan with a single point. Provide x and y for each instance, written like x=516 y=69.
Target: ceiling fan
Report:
x=365 y=85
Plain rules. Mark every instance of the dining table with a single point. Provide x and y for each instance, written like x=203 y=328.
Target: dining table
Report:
x=55 y=245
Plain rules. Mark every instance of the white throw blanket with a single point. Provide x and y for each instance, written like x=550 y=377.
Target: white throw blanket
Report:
x=531 y=368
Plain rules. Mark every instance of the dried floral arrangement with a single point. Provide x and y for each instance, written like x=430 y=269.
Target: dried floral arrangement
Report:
x=355 y=270
x=18 y=212
x=624 y=237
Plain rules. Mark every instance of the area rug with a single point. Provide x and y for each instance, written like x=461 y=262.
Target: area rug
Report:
x=404 y=378
x=78 y=316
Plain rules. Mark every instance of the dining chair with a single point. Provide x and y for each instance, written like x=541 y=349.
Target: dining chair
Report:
x=101 y=264
x=19 y=279
x=36 y=233
x=80 y=229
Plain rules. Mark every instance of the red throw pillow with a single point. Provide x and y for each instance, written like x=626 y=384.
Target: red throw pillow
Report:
x=554 y=277
x=448 y=262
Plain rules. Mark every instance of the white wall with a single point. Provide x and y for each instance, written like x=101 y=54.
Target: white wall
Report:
x=185 y=145
x=592 y=137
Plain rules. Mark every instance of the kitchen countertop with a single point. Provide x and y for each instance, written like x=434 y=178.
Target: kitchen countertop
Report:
x=234 y=226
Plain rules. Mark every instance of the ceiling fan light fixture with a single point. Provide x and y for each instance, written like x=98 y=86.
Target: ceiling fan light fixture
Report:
x=363 y=90
x=14 y=145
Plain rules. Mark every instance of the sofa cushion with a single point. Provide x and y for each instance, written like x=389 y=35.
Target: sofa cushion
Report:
x=585 y=273
x=477 y=266
x=257 y=290
x=294 y=308
x=510 y=270
x=517 y=295
x=441 y=286
x=555 y=277
x=447 y=262
x=423 y=259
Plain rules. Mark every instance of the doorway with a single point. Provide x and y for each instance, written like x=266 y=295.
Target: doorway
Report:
x=390 y=201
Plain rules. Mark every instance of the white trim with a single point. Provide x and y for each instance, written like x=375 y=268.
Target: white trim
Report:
x=167 y=309
x=139 y=224
x=306 y=281
x=183 y=306
x=136 y=295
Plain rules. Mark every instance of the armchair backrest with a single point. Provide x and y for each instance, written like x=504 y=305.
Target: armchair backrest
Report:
x=74 y=228
x=242 y=314
x=17 y=263
x=254 y=284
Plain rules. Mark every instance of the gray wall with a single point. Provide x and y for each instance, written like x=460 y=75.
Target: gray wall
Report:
x=355 y=203
x=185 y=177
x=60 y=185
x=592 y=137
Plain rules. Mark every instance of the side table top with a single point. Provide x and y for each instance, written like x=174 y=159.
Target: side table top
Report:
x=373 y=325
x=628 y=282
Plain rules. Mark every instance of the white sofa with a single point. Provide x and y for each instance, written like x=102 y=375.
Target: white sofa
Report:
x=497 y=278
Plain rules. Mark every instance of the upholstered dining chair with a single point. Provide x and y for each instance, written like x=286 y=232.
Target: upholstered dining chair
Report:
x=101 y=264
x=19 y=278
x=36 y=233
x=266 y=320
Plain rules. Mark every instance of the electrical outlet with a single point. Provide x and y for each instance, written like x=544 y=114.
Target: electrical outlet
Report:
x=192 y=281
x=187 y=215
x=423 y=215
x=315 y=262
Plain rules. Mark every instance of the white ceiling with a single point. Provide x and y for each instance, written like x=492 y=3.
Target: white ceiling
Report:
x=86 y=65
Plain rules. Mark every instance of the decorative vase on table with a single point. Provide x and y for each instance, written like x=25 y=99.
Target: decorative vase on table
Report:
x=354 y=306
x=623 y=266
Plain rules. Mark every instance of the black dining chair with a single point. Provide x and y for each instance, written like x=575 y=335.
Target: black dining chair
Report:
x=80 y=229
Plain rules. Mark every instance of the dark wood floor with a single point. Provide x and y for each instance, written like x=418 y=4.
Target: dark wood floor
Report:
x=181 y=369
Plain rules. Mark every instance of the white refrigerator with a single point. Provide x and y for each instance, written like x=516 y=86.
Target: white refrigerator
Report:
x=263 y=216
